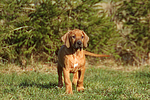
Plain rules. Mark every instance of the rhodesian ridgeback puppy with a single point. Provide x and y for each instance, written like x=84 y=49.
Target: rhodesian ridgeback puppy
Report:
x=71 y=59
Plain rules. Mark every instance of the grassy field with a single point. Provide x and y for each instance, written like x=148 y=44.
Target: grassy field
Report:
x=100 y=83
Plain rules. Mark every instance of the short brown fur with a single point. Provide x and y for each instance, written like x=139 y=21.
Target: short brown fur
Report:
x=71 y=59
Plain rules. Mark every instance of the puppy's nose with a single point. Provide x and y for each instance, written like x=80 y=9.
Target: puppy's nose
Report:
x=79 y=42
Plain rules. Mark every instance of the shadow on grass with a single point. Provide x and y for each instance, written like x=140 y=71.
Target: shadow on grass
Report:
x=38 y=85
x=143 y=74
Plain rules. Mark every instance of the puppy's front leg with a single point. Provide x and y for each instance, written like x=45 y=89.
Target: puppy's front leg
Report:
x=80 y=80
x=67 y=81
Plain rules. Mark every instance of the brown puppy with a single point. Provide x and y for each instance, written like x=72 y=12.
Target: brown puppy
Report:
x=71 y=59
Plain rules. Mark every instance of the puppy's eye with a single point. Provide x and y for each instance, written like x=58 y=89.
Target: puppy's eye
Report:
x=74 y=37
x=82 y=37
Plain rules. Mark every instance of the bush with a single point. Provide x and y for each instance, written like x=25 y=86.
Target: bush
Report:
x=34 y=29
x=135 y=41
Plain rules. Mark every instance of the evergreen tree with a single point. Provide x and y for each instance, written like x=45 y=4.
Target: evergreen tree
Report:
x=35 y=27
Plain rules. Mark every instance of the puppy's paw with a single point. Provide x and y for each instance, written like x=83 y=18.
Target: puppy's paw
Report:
x=69 y=92
x=80 y=89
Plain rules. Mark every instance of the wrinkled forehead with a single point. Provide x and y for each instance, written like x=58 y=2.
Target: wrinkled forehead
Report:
x=76 y=32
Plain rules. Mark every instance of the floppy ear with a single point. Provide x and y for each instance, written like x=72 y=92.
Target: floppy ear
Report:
x=86 y=39
x=65 y=39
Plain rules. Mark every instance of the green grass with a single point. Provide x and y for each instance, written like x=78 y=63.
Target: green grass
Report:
x=99 y=84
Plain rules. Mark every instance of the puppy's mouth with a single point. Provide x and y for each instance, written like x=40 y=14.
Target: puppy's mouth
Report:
x=78 y=44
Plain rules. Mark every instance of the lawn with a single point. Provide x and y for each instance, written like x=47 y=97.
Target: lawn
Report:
x=100 y=83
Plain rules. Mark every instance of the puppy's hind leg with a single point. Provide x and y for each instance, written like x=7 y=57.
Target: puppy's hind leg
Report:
x=75 y=78
x=60 y=79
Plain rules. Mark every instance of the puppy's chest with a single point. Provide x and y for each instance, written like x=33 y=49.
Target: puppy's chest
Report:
x=76 y=62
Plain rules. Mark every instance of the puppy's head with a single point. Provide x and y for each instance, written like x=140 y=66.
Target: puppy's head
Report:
x=76 y=39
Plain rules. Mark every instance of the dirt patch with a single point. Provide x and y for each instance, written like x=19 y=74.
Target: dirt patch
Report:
x=111 y=65
x=44 y=68
x=52 y=67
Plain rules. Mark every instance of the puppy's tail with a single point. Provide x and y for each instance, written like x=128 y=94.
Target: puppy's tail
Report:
x=95 y=55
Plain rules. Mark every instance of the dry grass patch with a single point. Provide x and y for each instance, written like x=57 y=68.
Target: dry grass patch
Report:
x=112 y=65
x=43 y=68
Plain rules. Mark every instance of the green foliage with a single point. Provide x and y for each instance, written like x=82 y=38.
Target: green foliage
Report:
x=136 y=38
x=37 y=29
x=34 y=28
x=28 y=30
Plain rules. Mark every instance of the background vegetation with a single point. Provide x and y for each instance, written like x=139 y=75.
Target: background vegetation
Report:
x=31 y=29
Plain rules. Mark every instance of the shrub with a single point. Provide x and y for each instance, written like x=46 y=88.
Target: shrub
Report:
x=34 y=29
x=135 y=41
